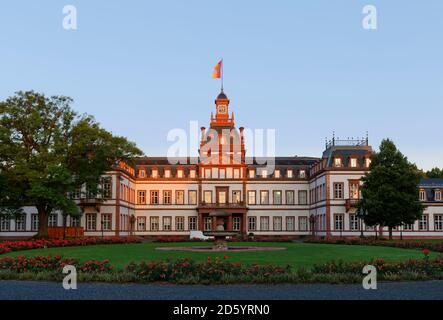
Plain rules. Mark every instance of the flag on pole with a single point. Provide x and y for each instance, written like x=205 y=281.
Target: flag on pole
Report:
x=217 y=74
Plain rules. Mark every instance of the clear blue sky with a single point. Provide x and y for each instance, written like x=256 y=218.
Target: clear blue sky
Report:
x=305 y=68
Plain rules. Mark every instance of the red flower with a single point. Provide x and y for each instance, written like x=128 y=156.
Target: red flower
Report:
x=426 y=252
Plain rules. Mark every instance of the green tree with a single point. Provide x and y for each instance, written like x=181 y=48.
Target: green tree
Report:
x=390 y=191
x=47 y=150
x=435 y=173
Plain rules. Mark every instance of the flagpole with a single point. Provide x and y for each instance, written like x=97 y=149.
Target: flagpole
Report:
x=222 y=72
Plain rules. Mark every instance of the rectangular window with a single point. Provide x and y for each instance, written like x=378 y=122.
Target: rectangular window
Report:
x=252 y=223
x=277 y=174
x=208 y=224
x=302 y=174
x=214 y=173
x=290 y=198
x=338 y=222
x=142 y=197
x=106 y=222
x=167 y=197
x=236 y=174
x=251 y=174
x=353 y=222
x=192 y=223
x=338 y=190
x=180 y=197
x=236 y=196
x=354 y=190
x=236 y=224
x=438 y=222
x=264 y=173
x=208 y=173
x=5 y=224
x=264 y=223
x=192 y=197
x=107 y=188
x=423 y=223
x=154 y=197
x=34 y=222
x=422 y=195
x=290 y=174
x=75 y=222
x=142 y=173
x=167 y=223
x=337 y=162
x=277 y=223
x=179 y=223
x=408 y=227
x=222 y=173
x=264 y=197
x=277 y=197
x=290 y=223
x=155 y=223
x=52 y=221
x=91 y=222
x=229 y=173
x=251 y=198
x=192 y=174
x=141 y=223
x=303 y=223
x=167 y=173
x=179 y=174
x=20 y=223
x=438 y=195
x=154 y=173
x=302 y=197
x=208 y=196
x=353 y=163
x=222 y=196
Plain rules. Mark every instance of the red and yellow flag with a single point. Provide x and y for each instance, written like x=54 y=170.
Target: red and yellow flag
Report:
x=217 y=70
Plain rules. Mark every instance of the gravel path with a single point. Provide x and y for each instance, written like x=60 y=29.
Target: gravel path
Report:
x=26 y=290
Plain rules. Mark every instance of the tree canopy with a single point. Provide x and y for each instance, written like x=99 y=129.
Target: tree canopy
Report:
x=48 y=150
x=390 y=191
x=434 y=173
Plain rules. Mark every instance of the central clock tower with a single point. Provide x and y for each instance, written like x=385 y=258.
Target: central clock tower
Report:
x=222 y=118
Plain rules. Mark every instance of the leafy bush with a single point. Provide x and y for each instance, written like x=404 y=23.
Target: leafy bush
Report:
x=51 y=264
x=9 y=246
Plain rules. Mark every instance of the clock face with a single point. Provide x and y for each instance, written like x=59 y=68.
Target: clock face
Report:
x=222 y=109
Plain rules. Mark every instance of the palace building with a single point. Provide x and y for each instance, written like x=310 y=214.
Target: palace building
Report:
x=297 y=197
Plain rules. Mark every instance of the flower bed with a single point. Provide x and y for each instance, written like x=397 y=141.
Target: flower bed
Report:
x=437 y=247
x=424 y=267
x=209 y=271
x=9 y=246
x=51 y=264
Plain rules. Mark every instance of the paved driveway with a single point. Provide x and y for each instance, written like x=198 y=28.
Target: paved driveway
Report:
x=54 y=291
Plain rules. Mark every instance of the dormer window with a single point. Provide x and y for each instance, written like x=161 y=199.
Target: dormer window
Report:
x=192 y=174
x=155 y=173
x=290 y=174
x=422 y=195
x=302 y=174
x=251 y=174
x=367 y=162
x=167 y=173
x=142 y=173
x=438 y=195
x=180 y=174
x=353 y=162
x=277 y=174
x=264 y=173
x=337 y=162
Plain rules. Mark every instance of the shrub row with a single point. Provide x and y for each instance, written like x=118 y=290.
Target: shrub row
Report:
x=9 y=246
x=51 y=264
x=216 y=271
x=437 y=247
x=211 y=270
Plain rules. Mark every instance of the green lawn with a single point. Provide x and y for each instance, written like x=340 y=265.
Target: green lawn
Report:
x=297 y=254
